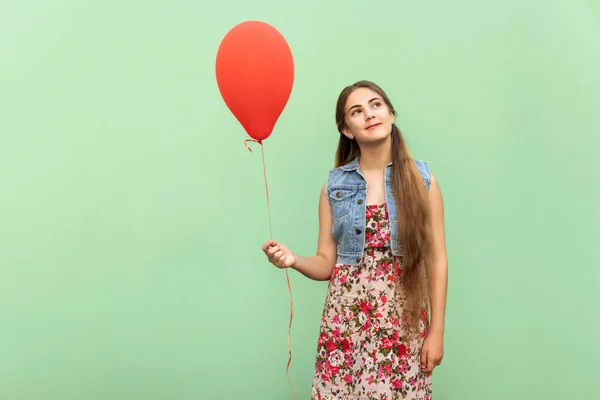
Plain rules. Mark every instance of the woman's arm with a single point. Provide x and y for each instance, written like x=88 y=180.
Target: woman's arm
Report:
x=319 y=266
x=439 y=274
x=432 y=351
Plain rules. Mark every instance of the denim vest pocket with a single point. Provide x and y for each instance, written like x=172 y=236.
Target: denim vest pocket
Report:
x=341 y=200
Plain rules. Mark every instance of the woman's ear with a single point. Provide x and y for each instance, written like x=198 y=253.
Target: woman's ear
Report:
x=347 y=133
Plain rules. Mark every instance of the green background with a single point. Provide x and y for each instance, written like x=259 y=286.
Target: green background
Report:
x=132 y=215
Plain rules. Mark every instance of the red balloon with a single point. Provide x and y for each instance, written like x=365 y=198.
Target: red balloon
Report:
x=255 y=75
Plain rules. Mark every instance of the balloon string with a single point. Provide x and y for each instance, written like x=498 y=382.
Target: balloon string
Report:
x=286 y=270
x=265 y=175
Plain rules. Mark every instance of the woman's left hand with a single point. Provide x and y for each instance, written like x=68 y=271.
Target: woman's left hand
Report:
x=432 y=351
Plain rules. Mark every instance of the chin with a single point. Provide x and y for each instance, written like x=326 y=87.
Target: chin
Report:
x=375 y=140
x=378 y=134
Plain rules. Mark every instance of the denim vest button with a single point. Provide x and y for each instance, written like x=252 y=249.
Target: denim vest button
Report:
x=358 y=231
x=338 y=194
x=359 y=201
x=357 y=259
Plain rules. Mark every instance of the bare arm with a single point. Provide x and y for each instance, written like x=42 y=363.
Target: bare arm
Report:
x=319 y=266
x=439 y=275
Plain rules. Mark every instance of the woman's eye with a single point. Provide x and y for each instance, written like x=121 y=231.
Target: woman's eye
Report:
x=355 y=112
x=376 y=104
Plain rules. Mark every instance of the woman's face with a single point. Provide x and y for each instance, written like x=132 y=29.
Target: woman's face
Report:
x=368 y=118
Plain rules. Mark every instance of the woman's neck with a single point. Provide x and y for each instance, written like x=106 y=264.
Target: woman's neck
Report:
x=377 y=157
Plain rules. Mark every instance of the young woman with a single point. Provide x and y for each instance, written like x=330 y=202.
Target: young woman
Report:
x=382 y=247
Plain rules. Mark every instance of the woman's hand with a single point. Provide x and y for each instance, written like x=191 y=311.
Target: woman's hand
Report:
x=279 y=255
x=432 y=351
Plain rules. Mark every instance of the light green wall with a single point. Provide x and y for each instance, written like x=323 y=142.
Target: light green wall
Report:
x=132 y=215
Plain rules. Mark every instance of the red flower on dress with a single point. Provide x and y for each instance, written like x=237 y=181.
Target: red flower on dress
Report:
x=322 y=339
x=331 y=346
x=346 y=345
x=402 y=350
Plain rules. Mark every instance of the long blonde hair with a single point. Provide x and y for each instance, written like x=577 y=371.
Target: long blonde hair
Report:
x=414 y=219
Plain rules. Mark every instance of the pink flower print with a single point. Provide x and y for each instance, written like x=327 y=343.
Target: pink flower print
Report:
x=365 y=307
x=386 y=267
x=337 y=334
x=336 y=358
x=376 y=323
x=366 y=326
x=346 y=345
x=334 y=370
x=402 y=350
x=404 y=368
x=349 y=360
x=322 y=339
x=336 y=270
x=388 y=369
x=331 y=346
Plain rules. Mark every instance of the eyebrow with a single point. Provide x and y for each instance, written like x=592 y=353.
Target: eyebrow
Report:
x=356 y=105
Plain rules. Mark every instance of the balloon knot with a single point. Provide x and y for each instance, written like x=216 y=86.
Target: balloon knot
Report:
x=251 y=140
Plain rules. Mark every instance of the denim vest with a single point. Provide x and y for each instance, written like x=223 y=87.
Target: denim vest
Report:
x=347 y=193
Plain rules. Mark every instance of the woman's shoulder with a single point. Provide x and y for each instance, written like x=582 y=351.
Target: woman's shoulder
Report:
x=350 y=166
x=343 y=177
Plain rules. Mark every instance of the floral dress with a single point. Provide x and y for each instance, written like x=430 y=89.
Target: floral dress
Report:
x=363 y=350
